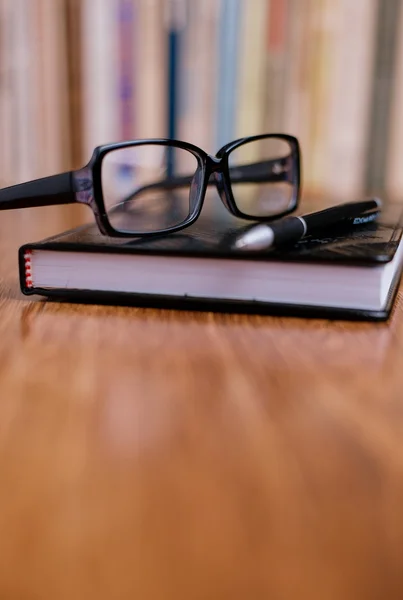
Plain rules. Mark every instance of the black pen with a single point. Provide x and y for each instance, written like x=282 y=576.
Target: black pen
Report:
x=290 y=230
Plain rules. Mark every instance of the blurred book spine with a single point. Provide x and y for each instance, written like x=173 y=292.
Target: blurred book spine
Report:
x=100 y=73
x=350 y=81
x=274 y=78
x=394 y=170
x=127 y=16
x=175 y=25
x=7 y=120
x=387 y=22
x=296 y=96
x=75 y=74
x=75 y=81
x=252 y=60
x=52 y=87
x=226 y=68
x=150 y=67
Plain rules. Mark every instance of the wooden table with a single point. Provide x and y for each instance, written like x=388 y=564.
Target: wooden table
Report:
x=151 y=454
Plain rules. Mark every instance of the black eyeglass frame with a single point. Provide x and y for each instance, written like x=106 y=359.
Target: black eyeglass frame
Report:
x=84 y=185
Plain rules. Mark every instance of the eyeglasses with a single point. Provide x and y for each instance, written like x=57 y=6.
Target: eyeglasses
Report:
x=155 y=186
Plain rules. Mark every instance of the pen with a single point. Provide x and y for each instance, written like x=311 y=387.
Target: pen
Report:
x=291 y=229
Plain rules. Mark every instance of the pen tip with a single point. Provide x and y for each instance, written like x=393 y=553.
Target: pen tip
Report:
x=240 y=243
x=259 y=237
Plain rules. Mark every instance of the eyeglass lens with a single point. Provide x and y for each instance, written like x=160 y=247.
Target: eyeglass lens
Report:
x=260 y=174
x=147 y=188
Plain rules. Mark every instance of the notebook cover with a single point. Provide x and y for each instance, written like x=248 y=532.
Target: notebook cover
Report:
x=369 y=245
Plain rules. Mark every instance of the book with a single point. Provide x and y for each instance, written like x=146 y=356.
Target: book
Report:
x=227 y=71
x=348 y=273
x=250 y=109
x=199 y=85
x=150 y=77
x=8 y=118
x=384 y=72
x=72 y=14
x=394 y=171
x=296 y=113
x=350 y=63
x=127 y=16
x=50 y=49
x=276 y=64
x=100 y=73
x=322 y=34
x=176 y=18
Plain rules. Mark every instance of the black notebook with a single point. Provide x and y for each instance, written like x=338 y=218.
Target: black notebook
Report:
x=347 y=273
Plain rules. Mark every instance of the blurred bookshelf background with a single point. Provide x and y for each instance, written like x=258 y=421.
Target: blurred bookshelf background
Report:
x=79 y=73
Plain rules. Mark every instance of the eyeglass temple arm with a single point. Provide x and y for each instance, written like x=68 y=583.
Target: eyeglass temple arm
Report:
x=273 y=170
x=56 y=189
x=266 y=170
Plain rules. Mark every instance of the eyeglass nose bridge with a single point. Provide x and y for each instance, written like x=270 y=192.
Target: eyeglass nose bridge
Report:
x=216 y=171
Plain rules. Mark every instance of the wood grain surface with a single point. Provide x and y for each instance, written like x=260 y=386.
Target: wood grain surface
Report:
x=156 y=454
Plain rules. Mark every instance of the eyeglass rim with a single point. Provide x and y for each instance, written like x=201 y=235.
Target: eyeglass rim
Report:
x=206 y=163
